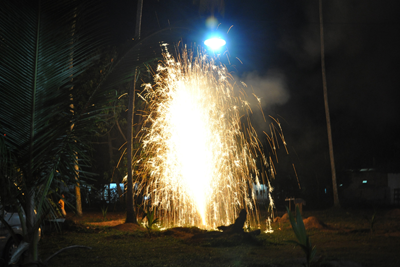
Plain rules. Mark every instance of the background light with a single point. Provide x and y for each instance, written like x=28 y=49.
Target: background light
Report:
x=215 y=43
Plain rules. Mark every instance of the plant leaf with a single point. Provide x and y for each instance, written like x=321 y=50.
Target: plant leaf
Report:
x=301 y=228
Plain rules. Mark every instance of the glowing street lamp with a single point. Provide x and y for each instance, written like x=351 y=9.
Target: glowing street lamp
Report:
x=215 y=43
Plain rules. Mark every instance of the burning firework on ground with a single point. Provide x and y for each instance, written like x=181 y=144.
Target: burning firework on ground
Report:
x=198 y=149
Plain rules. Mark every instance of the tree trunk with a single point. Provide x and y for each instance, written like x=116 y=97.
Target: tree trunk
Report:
x=78 y=198
x=110 y=155
x=130 y=211
x=118 y=179
x=130 y=207
x=119 y=191
x=32 y=233
x=328 y=120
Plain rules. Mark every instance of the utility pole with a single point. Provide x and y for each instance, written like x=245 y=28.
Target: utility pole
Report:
x=328 y=120
x=130 y=208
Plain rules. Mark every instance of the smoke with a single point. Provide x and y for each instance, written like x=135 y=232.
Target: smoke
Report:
x=264 y=93
x=270 y=88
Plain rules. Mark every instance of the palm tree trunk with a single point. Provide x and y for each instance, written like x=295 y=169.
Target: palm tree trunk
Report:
x=130 y=211
x=32 y=233
x=328 y=120
x=130 y=207
x=78 y=198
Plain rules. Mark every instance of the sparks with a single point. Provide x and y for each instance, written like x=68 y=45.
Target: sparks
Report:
x=198 y=162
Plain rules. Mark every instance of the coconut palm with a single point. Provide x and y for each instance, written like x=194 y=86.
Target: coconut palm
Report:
x=44 y=47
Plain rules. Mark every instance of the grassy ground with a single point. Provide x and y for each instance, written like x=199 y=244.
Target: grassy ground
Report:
x=346 y=237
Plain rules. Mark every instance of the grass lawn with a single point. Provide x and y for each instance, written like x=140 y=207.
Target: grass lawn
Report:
x=345 y=237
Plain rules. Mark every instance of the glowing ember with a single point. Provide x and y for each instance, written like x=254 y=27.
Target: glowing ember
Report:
x=198 y=147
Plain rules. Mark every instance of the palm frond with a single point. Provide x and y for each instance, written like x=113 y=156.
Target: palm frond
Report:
x=44 y=46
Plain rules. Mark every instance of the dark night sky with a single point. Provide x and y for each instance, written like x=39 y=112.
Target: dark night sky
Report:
x=278 y=43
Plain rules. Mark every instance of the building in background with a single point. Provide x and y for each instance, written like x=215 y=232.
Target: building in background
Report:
x=371 y=186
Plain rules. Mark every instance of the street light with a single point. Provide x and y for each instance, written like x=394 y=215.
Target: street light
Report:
x=215 y=43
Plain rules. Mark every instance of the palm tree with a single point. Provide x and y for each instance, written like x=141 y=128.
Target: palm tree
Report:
x=336 y=202
x=44 y=46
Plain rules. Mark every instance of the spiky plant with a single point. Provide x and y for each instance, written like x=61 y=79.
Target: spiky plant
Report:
x=301 y=234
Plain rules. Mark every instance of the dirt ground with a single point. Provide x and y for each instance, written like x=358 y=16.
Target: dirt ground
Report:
x=387 y=222
x=342 y=237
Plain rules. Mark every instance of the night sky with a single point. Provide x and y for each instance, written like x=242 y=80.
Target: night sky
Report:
x=279 y=45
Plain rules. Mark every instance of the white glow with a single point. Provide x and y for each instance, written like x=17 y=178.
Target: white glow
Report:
x=215 y=43
x=188 y=123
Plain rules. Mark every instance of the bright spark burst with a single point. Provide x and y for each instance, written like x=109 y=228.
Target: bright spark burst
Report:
x=198 y=147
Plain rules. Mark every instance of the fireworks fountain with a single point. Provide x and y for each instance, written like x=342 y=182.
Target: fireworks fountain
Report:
x=198 y=148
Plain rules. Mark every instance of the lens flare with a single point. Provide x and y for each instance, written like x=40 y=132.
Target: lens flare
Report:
x=215 y=43
x=198 y=148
